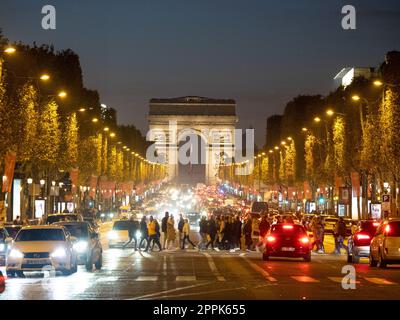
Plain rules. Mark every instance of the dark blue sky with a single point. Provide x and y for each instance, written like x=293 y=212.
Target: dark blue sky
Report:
x=261 y=53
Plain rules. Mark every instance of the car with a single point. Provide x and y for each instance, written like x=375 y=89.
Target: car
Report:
x=87 y=245
x=5 y=241
x=385 y=245
x=119 y=235
x=57 y=217
x=359 y=242
x=38 y=248
x=12 y=229
x=330 y=223
x=287 y=240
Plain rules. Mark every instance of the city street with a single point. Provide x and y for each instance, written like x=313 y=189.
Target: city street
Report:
x=189 y=274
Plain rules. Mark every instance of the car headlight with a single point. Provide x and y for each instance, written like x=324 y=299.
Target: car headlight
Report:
x=16 y=254
x=111 y=215
x=2 y=247
x=102 y=215
x=59 y=253
x=112 y=235
x=80 y=246
x=138 y=234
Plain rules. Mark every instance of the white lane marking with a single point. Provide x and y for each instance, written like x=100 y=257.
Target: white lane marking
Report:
x=213 y=267
x=257 y=268
x=340 y=279
x=197 y=293
x=165 y=265
x=304 y=279
x=146 y=278
x=380 y=281
x=106 y=279
x=185 y=278
x=170 y=291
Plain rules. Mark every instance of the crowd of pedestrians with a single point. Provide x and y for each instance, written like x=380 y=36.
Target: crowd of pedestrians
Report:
x=216 y=233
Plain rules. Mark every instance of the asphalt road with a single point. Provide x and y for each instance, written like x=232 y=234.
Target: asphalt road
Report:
x=190 y=274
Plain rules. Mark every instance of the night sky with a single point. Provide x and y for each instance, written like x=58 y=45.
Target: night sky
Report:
x=260 y=53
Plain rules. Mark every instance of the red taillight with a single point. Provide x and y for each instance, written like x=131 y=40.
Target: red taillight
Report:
x=387 y=229
x=271 y=239
x=287 y=227
x=362 y=236
x=375 y=224
x=305 y=240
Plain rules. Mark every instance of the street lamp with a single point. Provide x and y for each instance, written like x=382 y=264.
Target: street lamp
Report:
x=42 y=182
x=82 y=110
x=112 y=134
x=9 y=50
x=62 y=94
x=95 y=120
x=356 y=97
x=317 y=119
x=304 y=129
x=44 y=77
x=29 y=180
x=106 y=129
x=330 y=112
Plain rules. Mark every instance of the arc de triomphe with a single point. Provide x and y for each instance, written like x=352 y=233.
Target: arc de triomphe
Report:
x=213 y=120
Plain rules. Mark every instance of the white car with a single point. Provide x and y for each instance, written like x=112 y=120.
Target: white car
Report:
x=38 y=248
x=119 y=235
x=385 y=246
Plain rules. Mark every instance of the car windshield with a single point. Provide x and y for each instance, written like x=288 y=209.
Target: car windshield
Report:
x=77 y=230
x=41 y=235
x=122 y=225
x=12 y=231
x=394 y=229
x=62 y=217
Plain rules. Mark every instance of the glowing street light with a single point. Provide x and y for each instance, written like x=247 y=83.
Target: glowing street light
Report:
x=42 y=182
x=330 y=112
x=276 y=148
x=378 y=83
x=271 y=151
x=317 y=119
x=289 y=138
x=356 y=97
x=304 y=129
x=62 y=94
x=106 y=129
x=29 y=180
x=95 y=120
x=45 y=77
x=283 y=143
x=9 y=50
x=112 y=134
x=82 y=110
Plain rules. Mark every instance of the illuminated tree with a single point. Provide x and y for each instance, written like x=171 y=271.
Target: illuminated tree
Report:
x=69 y=143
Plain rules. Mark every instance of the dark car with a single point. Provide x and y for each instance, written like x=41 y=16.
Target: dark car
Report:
x=259 y=206
x=87 y=245
x=359 y=242
x=287 y=240
x=58 y=217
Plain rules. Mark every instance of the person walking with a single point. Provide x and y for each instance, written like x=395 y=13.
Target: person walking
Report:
x=340 y=234
x=211 y=233
x=203 y=232
x=181 y=222
x=133 y=228
x=221 y=233
x=237 y=233
x=143 y=232
x=153 y=229
x=264 y=228
x=164 y=223
x=247 y=231
x=171 y=233
x=186 y=234
x=317 y=231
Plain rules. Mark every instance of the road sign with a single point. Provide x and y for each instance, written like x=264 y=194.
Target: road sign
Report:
x=385 y=202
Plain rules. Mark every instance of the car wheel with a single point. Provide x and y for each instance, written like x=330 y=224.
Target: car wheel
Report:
x=99 y=263
x=381 y=262
x=356 y=259
x=307 y=257
x=20 y=274
x=10 y=274
x=265 y=256
x=372 y=262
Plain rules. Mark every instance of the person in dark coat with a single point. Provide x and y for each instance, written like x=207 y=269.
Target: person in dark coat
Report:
x=237 y=233
x=144 y=234
x=133 y=228
x=247 y=231
x=181 y=223
x=164 y=223
x=211 y=232
x=203 y=232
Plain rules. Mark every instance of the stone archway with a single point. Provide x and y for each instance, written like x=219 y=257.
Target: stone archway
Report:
x=212 y=120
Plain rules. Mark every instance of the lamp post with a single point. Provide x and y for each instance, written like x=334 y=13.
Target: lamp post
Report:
x=30 y=191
